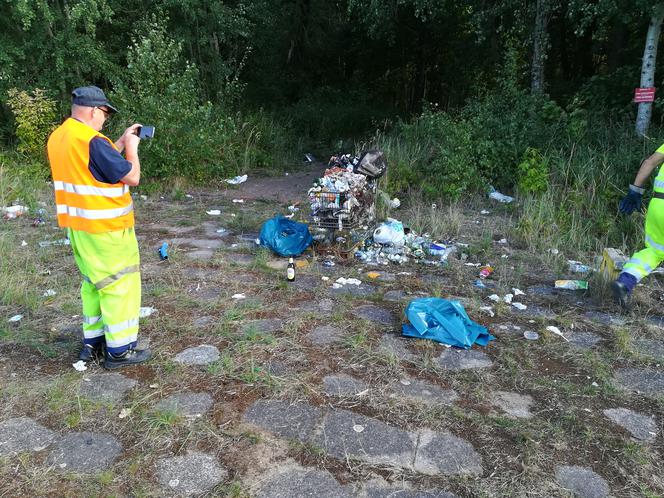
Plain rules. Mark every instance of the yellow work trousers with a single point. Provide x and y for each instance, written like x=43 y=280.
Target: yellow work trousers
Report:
x=111 y=289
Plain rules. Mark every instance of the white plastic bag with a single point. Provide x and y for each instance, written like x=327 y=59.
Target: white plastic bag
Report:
x=391 y=233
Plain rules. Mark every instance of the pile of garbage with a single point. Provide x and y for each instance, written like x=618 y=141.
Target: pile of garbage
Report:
x=346 y=192
x=392 y=242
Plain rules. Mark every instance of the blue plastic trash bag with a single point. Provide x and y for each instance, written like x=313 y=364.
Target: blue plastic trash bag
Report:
x=443 y=321
x=285 y=237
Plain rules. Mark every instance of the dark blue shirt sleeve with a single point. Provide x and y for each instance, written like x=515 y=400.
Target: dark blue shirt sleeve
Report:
x=106 y=164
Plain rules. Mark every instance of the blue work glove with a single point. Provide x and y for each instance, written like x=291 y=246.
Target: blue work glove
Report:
x=632 y=200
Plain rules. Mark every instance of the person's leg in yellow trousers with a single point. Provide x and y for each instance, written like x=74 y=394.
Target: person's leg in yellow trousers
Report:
x=643 y=262
x=111 y=291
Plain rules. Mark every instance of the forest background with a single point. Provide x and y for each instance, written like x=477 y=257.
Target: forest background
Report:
x=531 y=97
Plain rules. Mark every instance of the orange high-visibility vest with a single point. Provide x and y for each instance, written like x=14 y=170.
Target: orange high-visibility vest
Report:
x=83 y=202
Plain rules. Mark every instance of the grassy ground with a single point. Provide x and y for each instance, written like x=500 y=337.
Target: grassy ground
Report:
x=36 y=378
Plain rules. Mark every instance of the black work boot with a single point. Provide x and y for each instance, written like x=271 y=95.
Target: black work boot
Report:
x=91 y=353
x=129 y=357
x=621 y=294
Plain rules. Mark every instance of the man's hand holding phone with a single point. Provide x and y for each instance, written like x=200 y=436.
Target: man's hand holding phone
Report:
x=145 y=132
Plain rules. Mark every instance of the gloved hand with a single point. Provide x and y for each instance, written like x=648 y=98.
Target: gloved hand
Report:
x=632 y=200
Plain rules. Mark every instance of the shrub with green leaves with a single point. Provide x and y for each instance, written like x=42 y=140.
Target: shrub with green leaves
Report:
x=533 y=172
x=160 y=88
x=35 y=118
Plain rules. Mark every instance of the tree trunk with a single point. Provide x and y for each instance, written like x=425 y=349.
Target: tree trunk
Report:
x=540 y=45
x=648 y=67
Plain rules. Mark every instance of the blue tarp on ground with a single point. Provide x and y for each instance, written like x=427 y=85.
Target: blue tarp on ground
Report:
x=443 y=321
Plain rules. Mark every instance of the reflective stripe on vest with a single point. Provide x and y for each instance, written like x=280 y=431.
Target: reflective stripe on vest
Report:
x=91 y=190
x=83 y=202
x=94 y=214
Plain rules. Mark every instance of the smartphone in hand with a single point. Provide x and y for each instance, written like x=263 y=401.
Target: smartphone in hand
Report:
x=144 y=132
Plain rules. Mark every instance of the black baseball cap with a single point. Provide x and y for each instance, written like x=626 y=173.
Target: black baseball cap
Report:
x=91 y=96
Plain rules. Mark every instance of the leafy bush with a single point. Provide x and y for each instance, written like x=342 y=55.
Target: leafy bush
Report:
x=159 y=88
x=533 y=172
x=35 y=117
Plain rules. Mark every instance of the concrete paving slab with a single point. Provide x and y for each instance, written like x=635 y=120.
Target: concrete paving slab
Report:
x=192 y=474
x=85 y=452
x=641 y=427
x=285 y=419
x=347 y=434
x=199 y=355
x=186 y=404
x=581 y=481
x=444 y=453
x=106 y=387
x=23 y=435
x=463 y=359
x=425 y=392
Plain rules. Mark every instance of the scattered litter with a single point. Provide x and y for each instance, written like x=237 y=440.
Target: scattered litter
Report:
x=233 y=215
x=508 y=298
x=502 y=241
x=237 y=180
x=124 y=413
x=571 y=284
x=23 y=243
x=238 y=296
x=434 y=205
x=578 y=267
x=348 y=281
x=189 y=196
x=59 y=242
x=395 y=203
x=79 y=366
x=144 y=197
x=519 y=306
x=494 y=297
x=472 y=264
x=488 y=310
x=146 y=311
x=238 y=201
x=486 y=271
x=328 y=264
x=478 y=283
x=358 y=428
x=556 y=330
x=213 y=212
x=443 y=321
x=373 y=274
x=612 y=263
x=518 y=292
x=484 y=211
x=15 y=318
x=504 y=256
x=222 y=230
x=163 y=251
x=555 y=252
x=497 y=196
x=310 y=158
x=154 y=386
x=293 y=208
x=595 y=384
x=49 y=293
x=530 y=335
x=325 y=279
x=11 y=212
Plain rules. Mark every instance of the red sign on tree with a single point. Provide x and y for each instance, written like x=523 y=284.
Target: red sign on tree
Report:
x=644 y=95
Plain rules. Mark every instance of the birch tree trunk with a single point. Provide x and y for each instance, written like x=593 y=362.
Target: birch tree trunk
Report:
x=648 y=67
x=540 y=45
